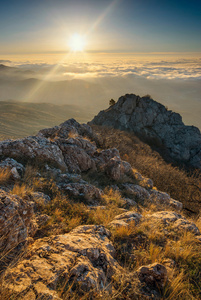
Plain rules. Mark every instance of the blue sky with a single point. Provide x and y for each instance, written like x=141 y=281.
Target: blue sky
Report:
x=110 y=26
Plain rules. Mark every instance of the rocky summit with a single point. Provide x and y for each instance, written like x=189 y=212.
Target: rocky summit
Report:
x=77 y=221
x=154 y=123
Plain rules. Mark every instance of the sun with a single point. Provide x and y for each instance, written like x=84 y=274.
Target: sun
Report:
x=77 y=42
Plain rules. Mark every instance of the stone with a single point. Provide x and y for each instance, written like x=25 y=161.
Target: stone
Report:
x=138 y=192
x=154 y=275
x=165 y=199
x=41 y=219
x=118 y=223
x=177 y=221
x=33 y=149
x=130 y=216
x=85 y=255
x=17 y=221
x=116 y=168
x=83 y=191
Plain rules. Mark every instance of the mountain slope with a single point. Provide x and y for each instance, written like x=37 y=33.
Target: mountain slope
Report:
x=20 y=119
x=79 y=222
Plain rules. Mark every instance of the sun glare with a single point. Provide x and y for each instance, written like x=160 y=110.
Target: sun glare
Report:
x=77 y=43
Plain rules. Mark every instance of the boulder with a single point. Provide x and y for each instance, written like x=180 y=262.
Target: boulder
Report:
x=125 y=218
x=33 y=149
x=40 y=198
x=84 y=256
x=138 y=192
x=82 y=191
x=154 y=275
x=17 y=221
x=68 y=129
x=177 y=221
x=165 y=199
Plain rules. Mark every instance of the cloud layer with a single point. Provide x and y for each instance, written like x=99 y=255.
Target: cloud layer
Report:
x=162 y=69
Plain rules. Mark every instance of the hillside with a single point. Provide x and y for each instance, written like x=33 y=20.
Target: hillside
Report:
x=81 y=219
x=20 y=119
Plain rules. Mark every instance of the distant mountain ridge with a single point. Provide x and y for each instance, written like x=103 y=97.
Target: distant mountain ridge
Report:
x=154 y=123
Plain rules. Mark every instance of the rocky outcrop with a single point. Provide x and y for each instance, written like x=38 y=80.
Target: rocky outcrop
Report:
x=176 y=221
x=66 y=147
x=32 y=149
x=84 y=256
x=85 y=191
x=17 y=221
x=154 y=276
x=151 y=121
x=147 y=196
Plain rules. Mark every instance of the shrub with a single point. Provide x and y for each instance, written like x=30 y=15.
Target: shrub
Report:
x=112 y=102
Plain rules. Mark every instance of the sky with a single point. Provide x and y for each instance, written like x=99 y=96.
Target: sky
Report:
x=45 y=26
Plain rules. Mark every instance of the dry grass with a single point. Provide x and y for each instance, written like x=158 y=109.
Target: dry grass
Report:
x=21 y=190
x=180 y=184
x=178 y=288
x=4 y=176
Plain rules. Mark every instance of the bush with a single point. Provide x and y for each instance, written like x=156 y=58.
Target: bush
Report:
x=112 y=102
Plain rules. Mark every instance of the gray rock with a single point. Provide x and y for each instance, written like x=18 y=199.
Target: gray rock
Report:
x=31 y=149
x=177 y=221
x=83 y=191
x=17 y=221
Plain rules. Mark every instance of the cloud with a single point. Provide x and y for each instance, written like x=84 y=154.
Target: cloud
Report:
x=179 y=69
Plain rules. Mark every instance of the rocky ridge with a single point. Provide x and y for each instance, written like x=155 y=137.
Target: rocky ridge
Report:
x=86 y=256
x=154 y=123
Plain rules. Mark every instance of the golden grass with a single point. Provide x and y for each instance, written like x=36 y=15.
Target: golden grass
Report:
x=180 y=184
x=21 y=190
x=4 y=176
x=177 y=288
x=125 y=231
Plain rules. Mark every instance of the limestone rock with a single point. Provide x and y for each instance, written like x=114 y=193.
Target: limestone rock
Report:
x=151 y=121
x=31 y=149
x=76 y=158
x=177 y=221
x=83 y=191
x=165 y=199
x=138 y=192
x=154 y=275
x=125 y=218
x=116 y=168
x=85 y=255
x=68 y=129
x=17 y=221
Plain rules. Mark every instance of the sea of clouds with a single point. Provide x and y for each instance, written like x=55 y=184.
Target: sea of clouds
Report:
x=173 y=81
